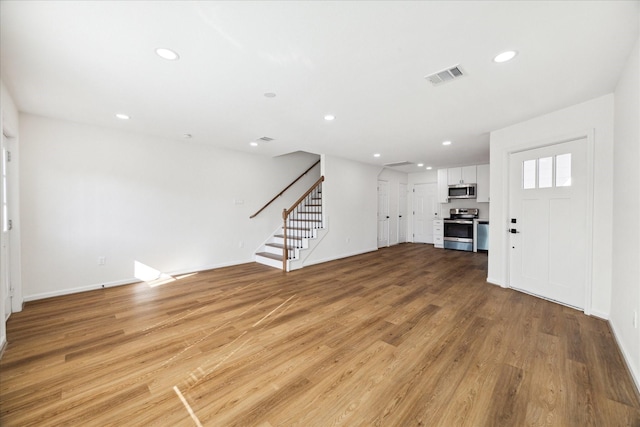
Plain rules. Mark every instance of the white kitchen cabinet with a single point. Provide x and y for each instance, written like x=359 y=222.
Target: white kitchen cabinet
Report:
x=482 y=189
x=438 y=233
x=443 y=186
x=463 y=175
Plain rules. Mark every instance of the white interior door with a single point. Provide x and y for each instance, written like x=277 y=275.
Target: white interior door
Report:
x=425 y=209
x=5 y=270
x=402 y=213
x=383 y=214
x=548 y=226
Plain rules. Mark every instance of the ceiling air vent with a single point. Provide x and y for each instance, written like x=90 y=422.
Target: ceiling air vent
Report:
x=265 y=139
x=445 y=75
x=397 y=164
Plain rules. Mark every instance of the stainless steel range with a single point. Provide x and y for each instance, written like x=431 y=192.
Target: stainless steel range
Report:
x=458 y=229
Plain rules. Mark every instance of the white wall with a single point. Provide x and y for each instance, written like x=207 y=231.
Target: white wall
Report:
x=175 y=206
x=625 y=295
x=395 y=178
x=350 y=198
x=596 y=115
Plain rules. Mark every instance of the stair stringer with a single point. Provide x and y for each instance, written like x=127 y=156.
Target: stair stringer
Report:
x=298 y=263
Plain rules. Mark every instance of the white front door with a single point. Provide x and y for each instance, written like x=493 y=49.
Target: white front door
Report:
x=402 y=213
x=5 y=270
x=425 y=203
x=383 y=214
x=548 y=222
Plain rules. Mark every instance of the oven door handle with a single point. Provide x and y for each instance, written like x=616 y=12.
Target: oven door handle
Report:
x=457 y=221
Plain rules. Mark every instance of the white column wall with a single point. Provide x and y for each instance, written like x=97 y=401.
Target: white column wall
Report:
x=350 y=198
x=625 y=296
x=175 y=206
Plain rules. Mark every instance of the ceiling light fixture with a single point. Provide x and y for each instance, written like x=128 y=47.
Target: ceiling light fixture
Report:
x=269 y=95
x=429 y=168
x=376 y=155
x=446 y=142
x=187 y=136
x=420 y=165
x=253 y=144
x=329 y=117
x=167 y=54
x=122 y=116
x=505 y=56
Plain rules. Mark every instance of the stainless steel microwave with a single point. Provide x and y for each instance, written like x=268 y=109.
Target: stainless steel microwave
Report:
x=462 y=191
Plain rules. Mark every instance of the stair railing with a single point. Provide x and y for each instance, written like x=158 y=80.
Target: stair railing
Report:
x=285 y=189
x=300 y=220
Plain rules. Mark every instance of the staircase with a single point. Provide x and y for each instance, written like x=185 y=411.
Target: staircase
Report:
x=303 y=226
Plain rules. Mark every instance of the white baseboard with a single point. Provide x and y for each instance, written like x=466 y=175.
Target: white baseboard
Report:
x=347 y=255
x=494 y=281
x=128 y=281
x=635 y=375
x=79 y=289
x=599 y=314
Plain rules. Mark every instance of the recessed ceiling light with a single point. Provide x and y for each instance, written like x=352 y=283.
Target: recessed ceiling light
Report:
x=253 y=144
x=505 y=56
x=269 y=95
x=376 y=155
x=420 y=165
x=329 y=117
x=122 y=116
x=429 y=168
x=167 y=54
x=187 y=136
x=446 y=142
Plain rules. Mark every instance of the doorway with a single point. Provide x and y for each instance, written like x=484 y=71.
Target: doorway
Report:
x=549 y=243
x=425 y=208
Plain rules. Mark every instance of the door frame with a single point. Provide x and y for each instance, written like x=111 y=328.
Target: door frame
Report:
x=506 y=167
x=13 y=190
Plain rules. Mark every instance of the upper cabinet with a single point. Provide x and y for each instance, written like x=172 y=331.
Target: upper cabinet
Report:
x=478 y=175
x=463 y=175
x=482 y=190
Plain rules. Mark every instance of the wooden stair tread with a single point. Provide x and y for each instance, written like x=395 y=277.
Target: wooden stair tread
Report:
x=270 y=256
x=288 y=237
x=279 y=246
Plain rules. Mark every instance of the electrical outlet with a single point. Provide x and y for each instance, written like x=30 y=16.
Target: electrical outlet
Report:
x=102 y=260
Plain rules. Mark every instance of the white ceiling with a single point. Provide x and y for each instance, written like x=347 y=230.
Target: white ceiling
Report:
x=363 y=61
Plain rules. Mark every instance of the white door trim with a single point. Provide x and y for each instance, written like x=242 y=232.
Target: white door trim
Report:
x=506 y=166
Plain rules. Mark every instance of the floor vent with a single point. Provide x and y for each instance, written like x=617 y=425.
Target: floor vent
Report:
x=446 y=75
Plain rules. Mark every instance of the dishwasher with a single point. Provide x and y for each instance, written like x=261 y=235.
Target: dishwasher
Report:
x=483 y=235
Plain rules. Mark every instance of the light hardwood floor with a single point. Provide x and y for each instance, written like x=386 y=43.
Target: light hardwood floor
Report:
x=405 y=336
